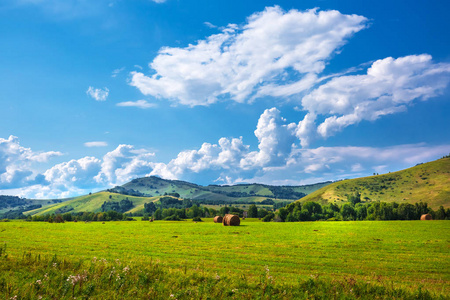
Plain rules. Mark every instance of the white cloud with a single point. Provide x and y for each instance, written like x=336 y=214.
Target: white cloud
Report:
x=387 y=88
x=139 y=103
x=209 y=25
x=17 y=163
x=224 y=155
x=117 y=72
x=98 y=94
x=280 y=163
x=275 y=141
x=243 y=62
x=275 y=145
x=74 y=173
x=96 y=144
x=159 y=1
x=123 y=164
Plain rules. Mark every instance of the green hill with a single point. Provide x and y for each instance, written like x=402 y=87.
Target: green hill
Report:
x=151 y=189
x=92 y=203
x=428 y=182
x=155 y=186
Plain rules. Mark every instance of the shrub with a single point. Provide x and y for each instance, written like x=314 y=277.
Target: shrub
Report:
x=172 y=218
x=268 y=217
x=197 y=219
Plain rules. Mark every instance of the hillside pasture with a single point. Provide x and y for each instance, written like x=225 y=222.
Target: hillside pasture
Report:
x=428 y=182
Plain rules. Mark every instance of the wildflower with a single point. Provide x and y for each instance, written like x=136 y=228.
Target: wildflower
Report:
x=14 y=298
x=55 y=265
x=39 y=297
x=94 y=259
x=267 y=268
x=217 y=276
x=172 y=295
x=77 y=278
x=38 y=282
x=126 y=269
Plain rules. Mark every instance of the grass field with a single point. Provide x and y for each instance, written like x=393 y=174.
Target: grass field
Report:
x=402 y=255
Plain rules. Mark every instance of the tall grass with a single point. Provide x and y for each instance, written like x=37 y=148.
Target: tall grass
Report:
x=33 y=276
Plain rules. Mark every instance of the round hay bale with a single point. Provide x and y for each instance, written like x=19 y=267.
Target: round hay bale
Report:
x=231 y=220
x=426 y=217
x=218 y=219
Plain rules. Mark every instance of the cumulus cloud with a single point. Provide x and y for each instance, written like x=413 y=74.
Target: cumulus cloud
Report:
x=124 y=163
x=139 y=104
x=387 y=88
x=243 y=62
x=230 y=161
x=227 y=154
x=19 y=173
x=98 y=94
x=96 y=144
x=17 y=163
x=275 y=140
x=74 y=173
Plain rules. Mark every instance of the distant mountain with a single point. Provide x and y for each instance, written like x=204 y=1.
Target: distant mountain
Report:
x=152 y=189
x=154 y=186
x=428 y=182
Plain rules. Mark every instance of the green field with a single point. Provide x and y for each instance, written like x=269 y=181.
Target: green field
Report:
x=402 y=255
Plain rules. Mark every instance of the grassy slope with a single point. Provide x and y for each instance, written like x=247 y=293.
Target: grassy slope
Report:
x=93 y=203
x=429 y=182
x=157 y=186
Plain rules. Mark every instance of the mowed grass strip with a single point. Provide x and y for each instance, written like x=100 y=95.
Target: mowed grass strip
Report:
x=403 y=253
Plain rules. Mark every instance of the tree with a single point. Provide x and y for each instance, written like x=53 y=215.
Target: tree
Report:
x=252 y=211
x=440 y=213
x=283 y=213
x=149 y=208
x=157 y=215
x=348 y=212
x=355 y=198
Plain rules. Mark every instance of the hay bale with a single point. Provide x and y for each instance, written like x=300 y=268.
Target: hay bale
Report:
x=218 y=219
x=231 y=220
x=426 y=217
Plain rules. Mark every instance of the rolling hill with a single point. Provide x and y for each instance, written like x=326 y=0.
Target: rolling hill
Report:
x=428 y=182
x=92 y=203
x=155 y=186
x=151 y=189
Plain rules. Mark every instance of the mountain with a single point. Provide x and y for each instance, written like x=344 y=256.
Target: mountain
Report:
x=428 y=182
x=155 y=186
x=151 y=189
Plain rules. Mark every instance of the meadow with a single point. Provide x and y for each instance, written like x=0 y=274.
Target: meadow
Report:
x=187 y=260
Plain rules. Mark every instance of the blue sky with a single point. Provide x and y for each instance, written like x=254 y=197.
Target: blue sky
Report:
x=96 y=93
